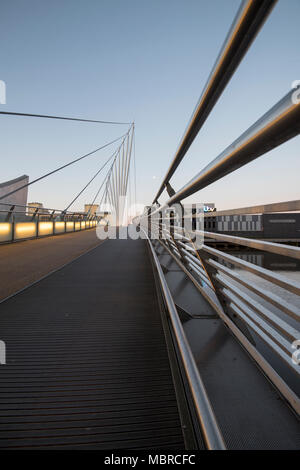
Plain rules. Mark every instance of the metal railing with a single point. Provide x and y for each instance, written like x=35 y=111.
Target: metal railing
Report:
x=22 y=222
x=286 y=206
x=210 y=429
x=242 y=293
x=220 y=278
x=247 y=23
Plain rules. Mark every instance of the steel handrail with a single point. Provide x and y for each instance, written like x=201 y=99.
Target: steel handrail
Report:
x=279 y=249
x=247 y=23
x=270 y=297
x=278 y=125
x=250 y=311
x=282 y=281
x=204 y=263
x=10 y=204
x=209 y=426
x=282 y=326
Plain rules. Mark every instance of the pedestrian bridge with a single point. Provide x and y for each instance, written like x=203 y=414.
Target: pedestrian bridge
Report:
x=94 y=360
x=158 y=342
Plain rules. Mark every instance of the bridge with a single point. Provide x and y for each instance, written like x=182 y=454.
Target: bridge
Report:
x=161 y=339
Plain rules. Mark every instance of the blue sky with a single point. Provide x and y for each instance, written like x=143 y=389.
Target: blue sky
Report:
x=145 y=61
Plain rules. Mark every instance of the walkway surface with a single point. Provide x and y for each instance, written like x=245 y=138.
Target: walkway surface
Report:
x=24 y=262
x=87 y=364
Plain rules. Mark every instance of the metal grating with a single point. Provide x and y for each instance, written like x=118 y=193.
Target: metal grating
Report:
x=87 y=364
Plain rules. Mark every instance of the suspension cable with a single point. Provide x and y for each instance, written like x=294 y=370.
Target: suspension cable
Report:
x=120 y=174
x=10 y=113
x=92 y=179
x=114 y=155
x=62 y=167
x=102 y=184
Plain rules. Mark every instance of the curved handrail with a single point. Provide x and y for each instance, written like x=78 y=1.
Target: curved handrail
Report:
x=209 y=426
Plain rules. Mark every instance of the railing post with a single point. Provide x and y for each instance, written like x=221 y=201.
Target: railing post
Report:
x=13 y=228
x=172 y=219
x=37 y=225
x=160 y=225
x=194 y=219
x=9 y=214
x=34 y=214
x=149 y=223
x=212 y=273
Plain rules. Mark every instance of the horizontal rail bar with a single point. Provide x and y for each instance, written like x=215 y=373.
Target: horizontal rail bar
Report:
x=195 y=268
x=247 y=23
x=210 y=429
x=288 y=206
x=270 y=372
x=270 y=297
x=275 y=300
x=278 y=125
x=290 y=332
x=194 y=259
x=40 y=209
x=278 y=249
x=246 y=315
x=289 y=284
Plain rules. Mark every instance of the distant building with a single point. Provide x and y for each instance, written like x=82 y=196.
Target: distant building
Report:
x=282 y=227
x=37 y=208
x=18 y=198
x=91 y=208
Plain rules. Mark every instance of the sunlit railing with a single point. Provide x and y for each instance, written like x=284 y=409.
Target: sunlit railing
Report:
x=27 y=222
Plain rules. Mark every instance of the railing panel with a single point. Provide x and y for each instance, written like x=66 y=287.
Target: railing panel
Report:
x=6 y=232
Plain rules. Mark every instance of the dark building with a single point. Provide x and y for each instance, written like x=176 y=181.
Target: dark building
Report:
x=275 y=226
x=20 y=197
